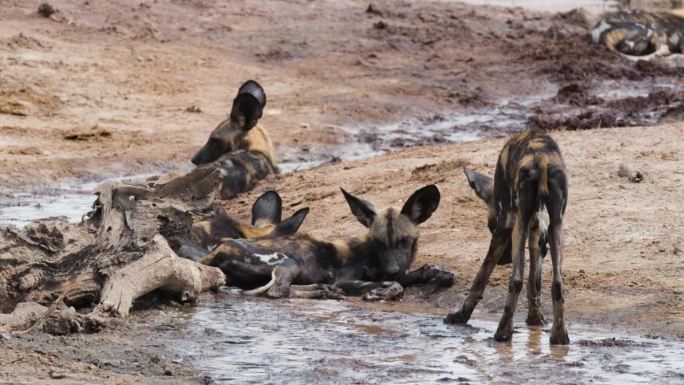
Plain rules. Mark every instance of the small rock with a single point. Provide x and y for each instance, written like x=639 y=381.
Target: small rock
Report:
x=168 y=370
x=373 y=11
x=380 y=25
x=624 y=171
x=46 y=10
x=56 y=375
x=193 y=109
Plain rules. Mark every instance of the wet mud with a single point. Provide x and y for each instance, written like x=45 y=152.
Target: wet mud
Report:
x=412 y=74
x=242 y=340
x=103 y=90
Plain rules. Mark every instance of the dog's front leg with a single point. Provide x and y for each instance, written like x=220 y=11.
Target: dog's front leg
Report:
x=370 y=290
x=427 y=273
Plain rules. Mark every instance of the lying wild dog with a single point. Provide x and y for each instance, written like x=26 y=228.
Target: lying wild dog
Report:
x=302 y=266
x=640 y=33
x=266 y=223
x=241 y=146
x=526 y=199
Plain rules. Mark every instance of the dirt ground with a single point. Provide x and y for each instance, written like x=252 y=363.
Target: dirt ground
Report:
x=105 y=89
x=623 y=247
x=623 y=250
x=88 y=92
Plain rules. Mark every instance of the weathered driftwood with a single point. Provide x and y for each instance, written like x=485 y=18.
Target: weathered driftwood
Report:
x=159 y=269
x=82 y=275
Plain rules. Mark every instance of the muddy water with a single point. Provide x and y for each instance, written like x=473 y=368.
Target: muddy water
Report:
x=70 y=201
x=457 y=126
x=245 y=340
x=592 y=6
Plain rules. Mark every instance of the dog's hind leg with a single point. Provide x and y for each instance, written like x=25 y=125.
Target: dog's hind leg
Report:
x=535 y=315
x=497 y=247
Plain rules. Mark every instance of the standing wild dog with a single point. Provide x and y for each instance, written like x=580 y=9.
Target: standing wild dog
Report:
x=239 y=146
x=526 y=200
x=266 y=223
x=640 y=33
x=302 y=266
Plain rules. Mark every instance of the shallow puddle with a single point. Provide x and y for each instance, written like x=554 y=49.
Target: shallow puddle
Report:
x=592 y=6
x=70 y=201
x=246 y=340
x=459 y=126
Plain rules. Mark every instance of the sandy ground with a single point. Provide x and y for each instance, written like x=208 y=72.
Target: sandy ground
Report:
x=90 y=91
x=119 y=78
x=623 y=247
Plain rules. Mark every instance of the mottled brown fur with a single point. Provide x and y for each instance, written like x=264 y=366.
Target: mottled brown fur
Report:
x=529 y=184
x=640 y=33
x=240 y=147
x=375 y=265
x=266 y=222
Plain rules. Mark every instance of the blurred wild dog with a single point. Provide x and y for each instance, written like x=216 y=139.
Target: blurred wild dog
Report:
x=240 y=146
x=302 y=266
x=640 y=33
x=526 y=200
x=266 y=223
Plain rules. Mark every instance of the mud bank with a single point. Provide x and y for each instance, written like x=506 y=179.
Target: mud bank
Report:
x=622 y=266
x=237 y=340
x=623 y=259
x=99 y=90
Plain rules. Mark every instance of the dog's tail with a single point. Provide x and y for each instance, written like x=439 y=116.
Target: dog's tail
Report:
x=262 y=289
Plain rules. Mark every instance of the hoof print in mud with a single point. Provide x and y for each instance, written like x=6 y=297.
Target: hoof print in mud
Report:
x=388 y=291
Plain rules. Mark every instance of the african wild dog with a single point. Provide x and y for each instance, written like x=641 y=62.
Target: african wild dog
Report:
x=239 y=146
x=526 y=199
x=640 y=33
x=266 y=223
x=302 y=266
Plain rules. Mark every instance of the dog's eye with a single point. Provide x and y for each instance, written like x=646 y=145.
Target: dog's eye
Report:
x=405 y=242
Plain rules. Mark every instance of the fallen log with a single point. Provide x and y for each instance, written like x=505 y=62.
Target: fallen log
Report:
x=88 y=273
x=159 y=269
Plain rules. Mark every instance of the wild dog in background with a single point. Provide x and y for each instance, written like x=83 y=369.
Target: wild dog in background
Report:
x=302 y=266
x=239 y=146
x=266 y=223
x=640 y=33
x=526 y=199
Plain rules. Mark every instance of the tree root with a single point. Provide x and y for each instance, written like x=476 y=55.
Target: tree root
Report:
x=159 y=269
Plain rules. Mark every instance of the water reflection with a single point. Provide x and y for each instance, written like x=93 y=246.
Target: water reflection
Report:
x=240 y=340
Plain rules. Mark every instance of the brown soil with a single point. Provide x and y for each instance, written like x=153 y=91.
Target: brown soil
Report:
x=623 y=252
x=160 y=75
x=104 y=89
x=623 y=248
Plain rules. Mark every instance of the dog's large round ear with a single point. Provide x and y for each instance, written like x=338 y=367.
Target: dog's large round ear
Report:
x=483 y=185
x=255 y=89
x=248 y=105
x=267 y=209
x=421 y=204
x=291 y=224
x=362 y=210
